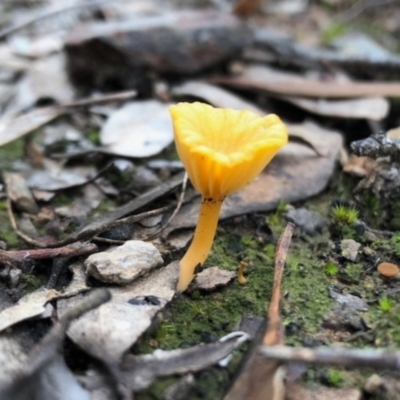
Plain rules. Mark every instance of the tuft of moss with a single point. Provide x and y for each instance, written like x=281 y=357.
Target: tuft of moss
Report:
x=385 y=305
x=331 y=269
x=342 y=215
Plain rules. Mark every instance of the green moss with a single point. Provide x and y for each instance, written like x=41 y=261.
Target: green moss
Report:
x=333 y=31
x=394 y=220
x=7 y=234
x=389 y=250
x=11 y=152
x=94 y=137
x=385 y=304
x=342 y=215
x=334 y=377
x=104 y=207
x=351 y=273
x=31 y=282
x=331 y=269
x=276 y=219
x=62 y=200
x=384 y=320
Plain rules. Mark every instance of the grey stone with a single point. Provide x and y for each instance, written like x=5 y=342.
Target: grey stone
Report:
x=349 y=249
x=123 y=264
x=307 y=221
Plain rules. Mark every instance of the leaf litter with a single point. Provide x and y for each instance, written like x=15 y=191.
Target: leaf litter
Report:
x=325 y=101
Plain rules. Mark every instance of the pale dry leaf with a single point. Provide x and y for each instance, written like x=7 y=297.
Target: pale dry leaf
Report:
x=29 y=306
x=110 y=330
x=297 y=392
x=138 y=129
x=374 y=108
x=217 y=96
x=14 y=128
x=211 y=278
x=114 y=327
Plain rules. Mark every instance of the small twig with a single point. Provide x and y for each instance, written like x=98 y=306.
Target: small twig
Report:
x=45 y=351
x=19 y=233
x=177 y=208
x=58 y=265
x=346 y=358
x=107 y=240
x=274 y=333
x=84 y=235
x=262 y=379
x=48 y=14
x=103 y=99
x=362 y=5
x=73 y=250
x=110 y=220
x=5 y=259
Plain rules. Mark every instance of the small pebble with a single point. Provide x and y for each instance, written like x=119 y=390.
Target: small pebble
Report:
x=123 y=264
x=308 y=222
x=388 y=270
x=350 y=249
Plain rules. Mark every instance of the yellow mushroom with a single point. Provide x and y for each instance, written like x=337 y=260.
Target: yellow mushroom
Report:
x=223 y=150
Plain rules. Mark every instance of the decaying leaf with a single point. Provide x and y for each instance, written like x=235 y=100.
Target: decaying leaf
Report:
x=373 y=108
x=27 y=307
x=359 y=166
x=217 y=96
x=138 y=372
x=139 y=129
x=297 y=392
x=108 y=332
x=13 y=128
x=42 y=373
x=113 y=328
x=257 y=77
x=54 y=179
x=19 y=193
x=258 y=378
x=78 y=283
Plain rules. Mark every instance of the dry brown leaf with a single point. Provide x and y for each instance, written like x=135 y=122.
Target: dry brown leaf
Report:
x=359 y=166
x=211 y=278
x=297 y=392
x=245 y=8
x=108 y=331
x=266 y=79
x=374 y=108
x=218 y=97
x=138 y=129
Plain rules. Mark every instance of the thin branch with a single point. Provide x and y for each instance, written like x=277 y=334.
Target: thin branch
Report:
x=177 y=208
x=347 y=358
x=274 y=333
x=107 y=240
x=45 y=351
x=361 y=6
x=19 y=233
x=73 y=250
x=51 y=12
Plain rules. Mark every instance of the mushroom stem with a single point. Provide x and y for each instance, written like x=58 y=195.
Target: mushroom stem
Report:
x=202 y=241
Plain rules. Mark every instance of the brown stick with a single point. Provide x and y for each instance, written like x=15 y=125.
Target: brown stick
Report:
x=261 y=379
x=381 y=359
x=274 y=333
x=73 y=250
x=309 y=88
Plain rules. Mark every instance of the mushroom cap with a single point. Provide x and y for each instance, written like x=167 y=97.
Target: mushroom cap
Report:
x=223 y=150
x=388 y=270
